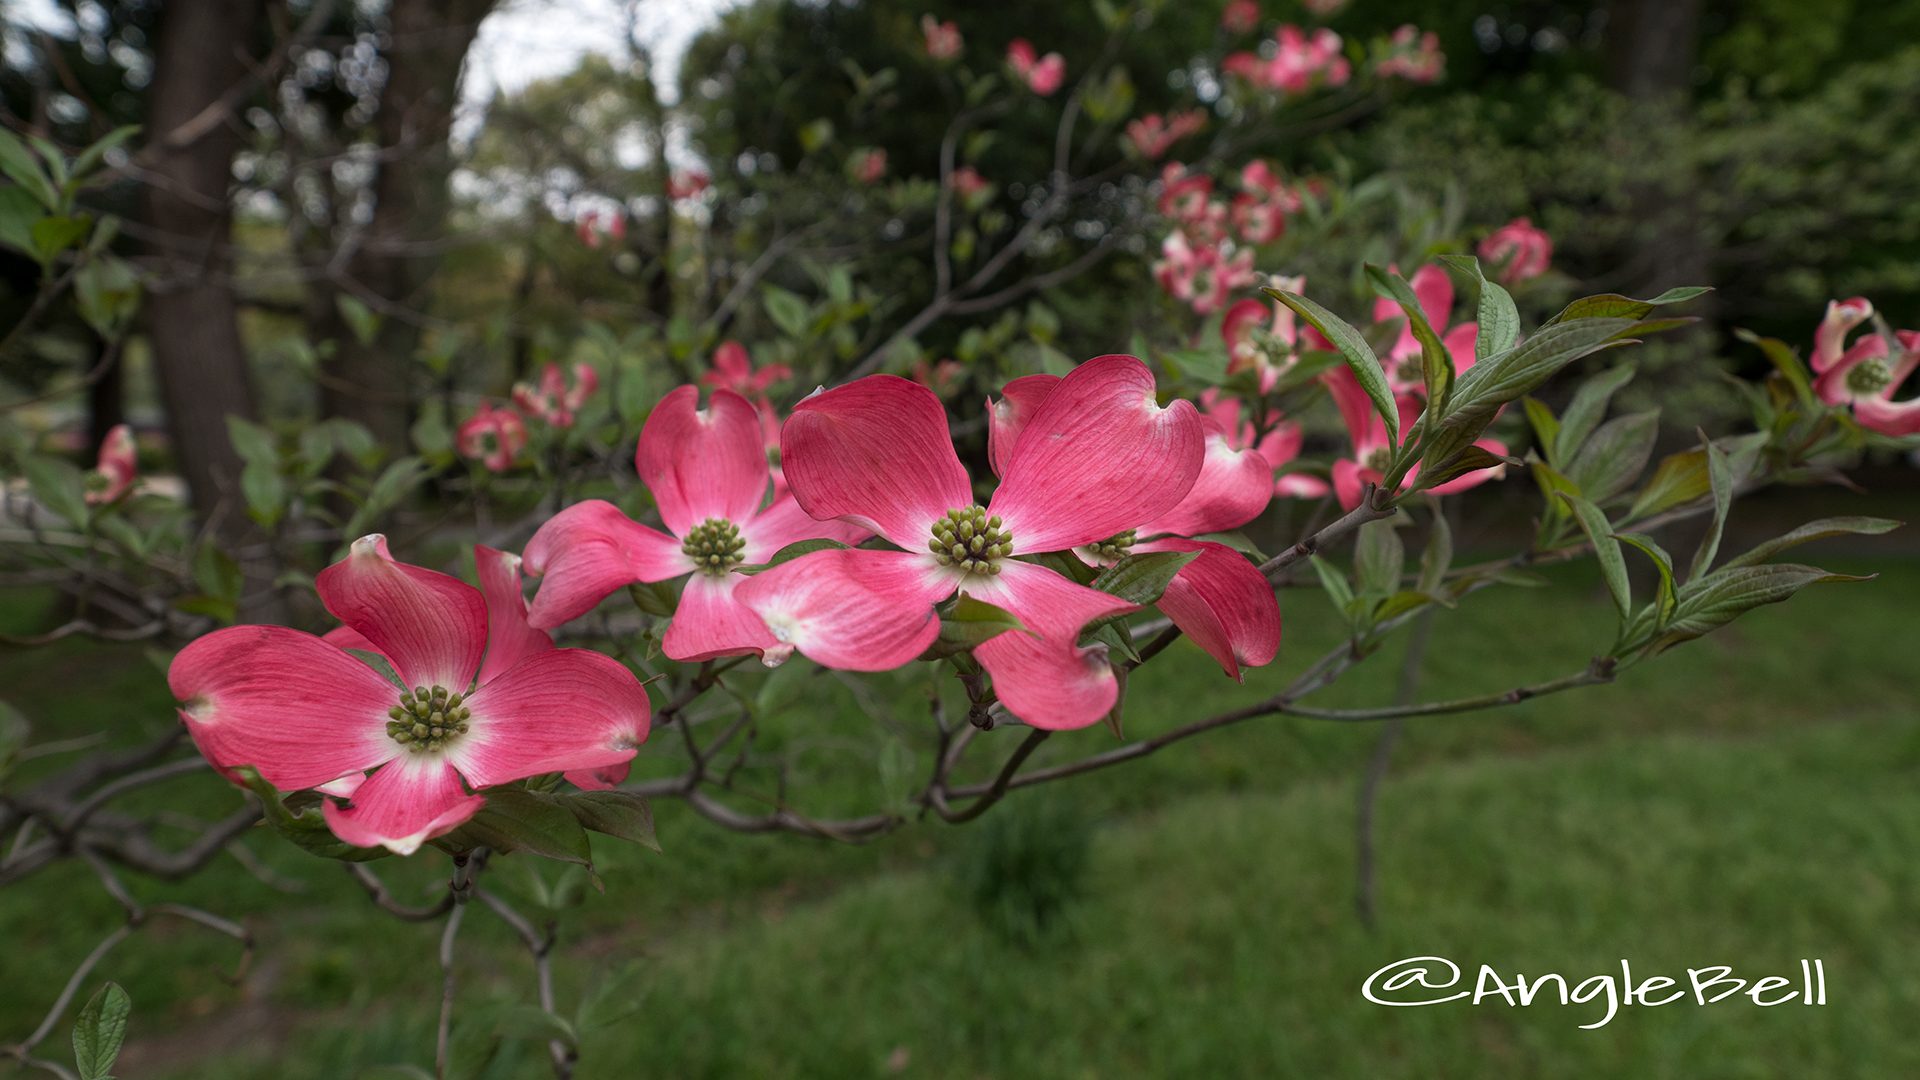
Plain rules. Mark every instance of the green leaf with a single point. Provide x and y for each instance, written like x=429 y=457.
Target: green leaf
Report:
x=19 y=164
x=1436 y=365
x=1665 y=602
x=1784 y=361
x=1141 y=578
x=1815 y=530
x=98 y=1033
x=1334 y=582
x=1583 y=413
x=1493 y=381
x=1720 y=479
x=1727 y=593
x=265 y=492
x=616 y=813
x=517 y=820
x=1356 y=351
x=1680 y=479
x=85 y=162
x=58 y=485
x=1499 y=318
x=1379 y=557
x=53 y=235
x=1615 y=456
x=1437 y=559
x=253 y=442
x=1545 y=427
x=360 y=319
x=18 y=212
x=790 y=552
x=787 y=310
x=306 y=827
x=1064 y=564
x=1398 y=604
x=107 y=294
x=968 y=622
x=393 y=485
x=1613 y=305
x=655 y=598
x=1606 y=549
x=533 y=1022
x=1467 y=459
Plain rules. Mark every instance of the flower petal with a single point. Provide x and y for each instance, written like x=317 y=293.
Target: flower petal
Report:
x=703 y=463
x=1098 y=457
x=855 y=610
x=411 y=800
x=510 y=639
x=1042 y=675
x=588 y=550
x=1460 y=342
x=1888 y=417
x=557 y=711
x=605 y=778
x=1233 y=488
x=785 y=523
x=1006 y=417
x=875 y=452
x=1224 y=604
x=710 y=622
x=431 y=626
x=299 y=710
x=1350 y=481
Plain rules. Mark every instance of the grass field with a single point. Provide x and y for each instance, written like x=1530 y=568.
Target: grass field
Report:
x=1750 y=799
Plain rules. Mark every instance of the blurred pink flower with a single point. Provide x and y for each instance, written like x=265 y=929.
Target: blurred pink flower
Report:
x=1240 y=17
x=1434 y=290
x=943 y=38
x=687 y=183
x=1202 y=275
x=868 y=166
x=969 y=184
x=493 y=437
x=116 y=469
x=1413 y=56
x=1866 y=375
x=1300 y=62
x=555 y=401
x=596 y=227
x=1044 y=75
x=1521 y=250
x=1151 y=136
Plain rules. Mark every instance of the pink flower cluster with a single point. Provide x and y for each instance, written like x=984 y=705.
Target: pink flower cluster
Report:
x=1413 y=56
x=1299 y=62
x=116 y=469
x=1270 y=350
x=494 y=437
x=597 y=227
x=1201 y=262
x=943 y=39
x=1152 y=135
x=1864 y=376
x=1519 y=249
x=1240 y=17
x=1042 y=74
x=685 y=184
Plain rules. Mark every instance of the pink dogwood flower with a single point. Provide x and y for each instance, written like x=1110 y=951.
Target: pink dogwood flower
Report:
x=1280 y=446
x=1300 y=62
x=707 y=470
x=1521 y=250
x=1434 y=290
x=307 y=714
x=868 y=166
x=116 y=469
x=1273 y=349
x=972 y=188
x=493 y=437
x=557 y=401
x=733 y=370
x=942 y=38
x=1865 y=376
x=1096 y=456
x=1043 y=75
x=1265 y=202
x=1413 y=56
x=1372 y=449
x=1204 y=276
x=1240 y=17
x=596 y=227
x=687 y=184
x=1151 y=136
x=1219 y=599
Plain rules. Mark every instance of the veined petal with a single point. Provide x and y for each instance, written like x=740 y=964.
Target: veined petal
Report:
x=1008 y=416
x=855 y=610
x=1042 y=675
x=557 y=711
x=1098 y=457
x=1888 y=417
x=703 y=463
x=1223 y=603
x=710 y=622
x=510 y=639
x=297 y=709
x=588 y=550
x=875 y=452
x=785 y=523
x=431 y=626
x=1233 y=487
x=410 y=800
x=346 y=637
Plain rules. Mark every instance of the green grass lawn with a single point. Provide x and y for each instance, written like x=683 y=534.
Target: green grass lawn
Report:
x=1749 y=799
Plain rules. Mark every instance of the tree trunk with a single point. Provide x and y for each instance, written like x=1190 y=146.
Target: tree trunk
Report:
x=192 y=319
x=392 y=267
x=1652 y=48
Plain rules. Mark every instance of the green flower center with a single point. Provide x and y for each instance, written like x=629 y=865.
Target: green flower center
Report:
x=715 y=546
x=1113 y=548
x=969 y=539
x=1869 y=376
x=428 y=719
x=1379 y=459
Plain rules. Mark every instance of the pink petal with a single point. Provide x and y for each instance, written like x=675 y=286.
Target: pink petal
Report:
x=1300 y=486
x=346 y=637
x=1098 y=457
x=1364 y=427
x=300 y=711
x=1434 y=289
x=703 y=463
x=1006 y=417
x=1349 y=482
x=856 y=610
x=1461 y=342
x=1282 y=444
x=785 y=523
x=1040 y=674
x=1887 y=417
x=558 y=711
x=1233 y=488
x=510 y=639
x=602 y=779
x=413 y=799
x=1224 y=604
x=431 y=626
x=875 y=452
x=585 y=552
x=710 y=622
